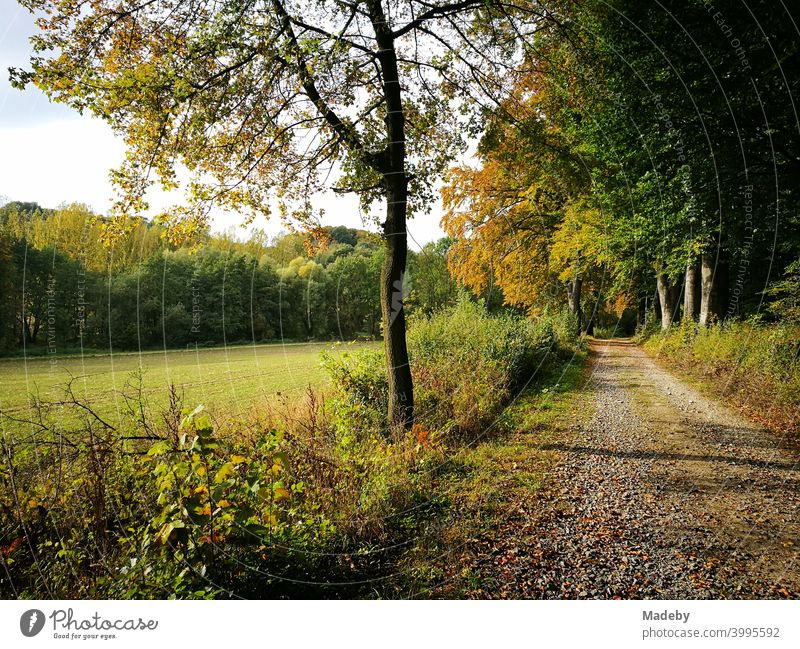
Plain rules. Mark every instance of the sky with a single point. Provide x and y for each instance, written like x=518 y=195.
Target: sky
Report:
x=50 y=154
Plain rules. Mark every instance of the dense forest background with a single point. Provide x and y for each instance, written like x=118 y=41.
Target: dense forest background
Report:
x=63 y=289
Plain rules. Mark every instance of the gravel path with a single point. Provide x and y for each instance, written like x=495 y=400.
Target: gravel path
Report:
x=661 y=493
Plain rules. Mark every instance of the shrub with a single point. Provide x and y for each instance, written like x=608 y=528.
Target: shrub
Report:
x=466 y=364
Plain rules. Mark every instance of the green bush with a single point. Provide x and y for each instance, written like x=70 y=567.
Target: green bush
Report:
x=466 y=364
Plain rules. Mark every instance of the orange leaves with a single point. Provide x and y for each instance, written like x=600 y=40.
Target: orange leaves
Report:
x=501 y=223
x=422 y=435
x=8 y=550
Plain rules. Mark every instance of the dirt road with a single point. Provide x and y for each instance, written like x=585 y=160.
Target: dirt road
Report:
x=660 y=493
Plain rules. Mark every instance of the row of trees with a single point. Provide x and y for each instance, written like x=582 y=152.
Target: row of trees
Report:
x=62 y=288
x=649 y=155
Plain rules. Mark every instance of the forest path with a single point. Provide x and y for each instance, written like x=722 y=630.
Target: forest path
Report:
x=660 y=493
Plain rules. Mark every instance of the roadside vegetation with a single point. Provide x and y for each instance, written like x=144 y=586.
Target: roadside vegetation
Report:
x=753 y=366
x=310 y=491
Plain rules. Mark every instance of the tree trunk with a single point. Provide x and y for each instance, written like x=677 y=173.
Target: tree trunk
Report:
x=690 y=304
x=393 y=168
x=641 y=313
x=574 y=300
x=665 y=296
x=706 y=287
x=401 y=390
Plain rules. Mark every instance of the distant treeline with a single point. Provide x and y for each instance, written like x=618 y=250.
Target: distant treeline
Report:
x=61 y=288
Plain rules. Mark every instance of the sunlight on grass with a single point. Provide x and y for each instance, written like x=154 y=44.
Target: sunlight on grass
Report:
x=232 y=378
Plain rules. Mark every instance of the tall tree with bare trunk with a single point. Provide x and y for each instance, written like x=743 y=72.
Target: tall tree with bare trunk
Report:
x=261 y=102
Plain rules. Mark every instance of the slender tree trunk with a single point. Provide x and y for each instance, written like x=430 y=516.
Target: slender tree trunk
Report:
x=706 y=287
x=665 y=297
x=401 y=387
x=574 y=300
x=641 y=312
x=401 y=390
x=690 y=304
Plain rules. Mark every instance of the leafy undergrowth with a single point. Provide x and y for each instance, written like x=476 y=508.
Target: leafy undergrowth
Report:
x=315 y=497
x=754 y=367
x=484 y=487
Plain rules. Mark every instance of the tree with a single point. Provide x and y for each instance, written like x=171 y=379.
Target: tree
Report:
x=507 y=216
x=432 y=287
x=260 y=100
x=355 y=286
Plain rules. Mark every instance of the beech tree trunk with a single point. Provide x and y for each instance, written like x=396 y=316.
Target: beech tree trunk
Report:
x=690 y=303
x=393 y=168
x=706 y=288
x=657 y=306
x=641 y=312
x=574 y=300
x=666 y=296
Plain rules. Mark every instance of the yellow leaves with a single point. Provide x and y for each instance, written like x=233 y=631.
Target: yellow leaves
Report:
x=276 y=493
x=225 y=472
x=578 y=241
x=281 y=493
x=621 y=302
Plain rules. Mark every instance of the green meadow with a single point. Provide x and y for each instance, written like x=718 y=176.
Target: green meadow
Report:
x=229 y=379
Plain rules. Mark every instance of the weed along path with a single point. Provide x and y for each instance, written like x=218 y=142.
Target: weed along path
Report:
x=658 y=492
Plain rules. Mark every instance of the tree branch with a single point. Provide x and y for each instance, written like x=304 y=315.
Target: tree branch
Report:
x=436 y=12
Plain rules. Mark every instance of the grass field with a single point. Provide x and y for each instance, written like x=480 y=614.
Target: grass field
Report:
x=229 y=380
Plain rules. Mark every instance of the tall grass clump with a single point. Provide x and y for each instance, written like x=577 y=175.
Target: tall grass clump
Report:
x=468 y=363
